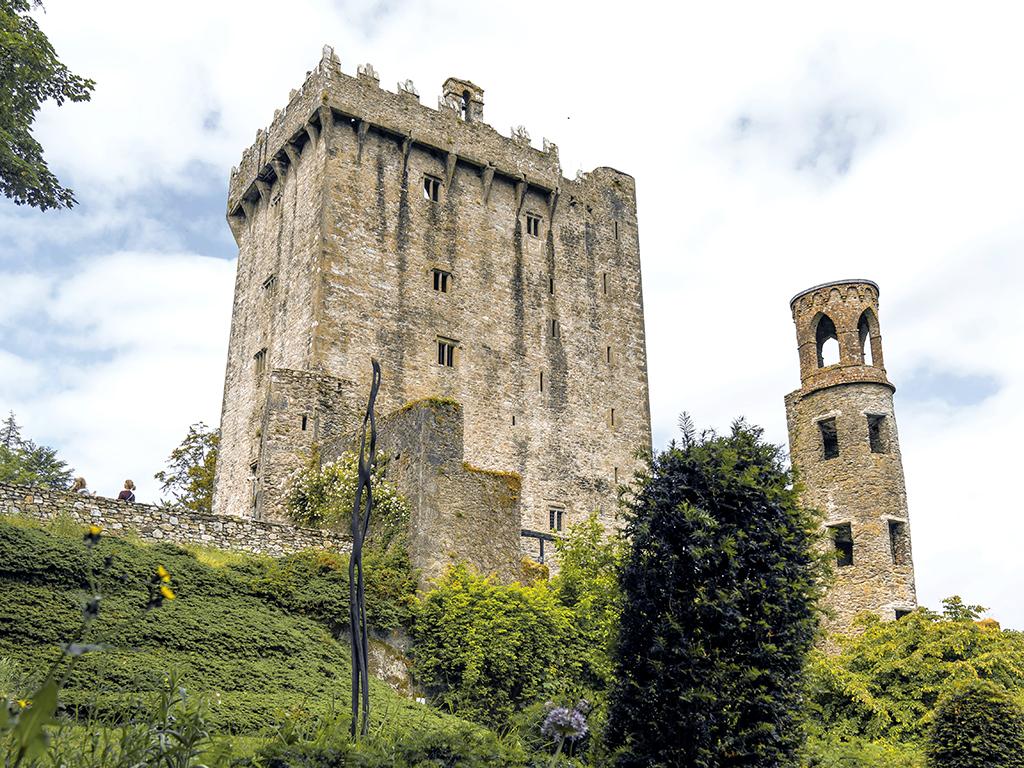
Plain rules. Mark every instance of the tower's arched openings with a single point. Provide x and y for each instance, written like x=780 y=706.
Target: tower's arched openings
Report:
x=826 y=340
x=867 y=334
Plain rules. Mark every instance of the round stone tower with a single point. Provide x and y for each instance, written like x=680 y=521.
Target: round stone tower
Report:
x=844 y=446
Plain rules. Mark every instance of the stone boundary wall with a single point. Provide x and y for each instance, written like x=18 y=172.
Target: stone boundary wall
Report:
x=155 y=524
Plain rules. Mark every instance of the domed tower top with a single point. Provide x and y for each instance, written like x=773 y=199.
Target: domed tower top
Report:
x=838 y=335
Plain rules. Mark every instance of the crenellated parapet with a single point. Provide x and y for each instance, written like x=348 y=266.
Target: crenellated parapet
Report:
x=331 y=100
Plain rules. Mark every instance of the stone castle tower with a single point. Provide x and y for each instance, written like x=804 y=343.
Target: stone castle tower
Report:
x=370 y=225
x=844 y=444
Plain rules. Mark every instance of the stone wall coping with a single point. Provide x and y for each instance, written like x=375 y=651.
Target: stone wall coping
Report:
x=833 y=284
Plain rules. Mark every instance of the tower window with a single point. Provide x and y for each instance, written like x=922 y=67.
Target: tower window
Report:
x=304 y=421
x=608 y=354
x=555 y=518
x=611 y=417
x=542 y=381
x=604 y=283
x=442 y=280
x=616 y=230
x=532 y=225
x=864 y=335
x=901 y=612
x=260 y=359
x=551 y=285
x=513 y=419
x=899 y=543
x=829 y=438
x=556 y=330
x=270 y=284
x=842 y=540
x=615 y=473
x=446 y=352
x=431 y=188
x=876 y=434
x=827 y=341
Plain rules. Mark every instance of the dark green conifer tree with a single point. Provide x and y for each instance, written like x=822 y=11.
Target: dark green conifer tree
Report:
x=719 y=608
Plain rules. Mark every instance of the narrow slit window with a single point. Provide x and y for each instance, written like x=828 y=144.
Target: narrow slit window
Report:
x=270 y=284
x=876 y=434
x=604 y=283
x=616 y=230
x=898 y=542
x=551 y=285
x=608 y=354
x=542 y=381
x=260 y=360
x=829 y=438
x=304 y=422
x=431 y=188
x=615 y=472
x=533 y=225
x=442 y=280
x=254 y=482
x=611 y=417
x=555 y=518
x=842 y=540
x=556 y=329
x=446 y=353
x=513 y=419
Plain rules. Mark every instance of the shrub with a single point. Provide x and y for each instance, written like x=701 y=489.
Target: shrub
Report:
x=322 y=496
x=978 y=725
x=256 y=635
x=719 y=591
x=828 y=751
x=587 y=584
x=483 y=649
x=886 y=680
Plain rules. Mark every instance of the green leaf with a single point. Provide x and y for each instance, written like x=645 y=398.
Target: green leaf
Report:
x=29 y=735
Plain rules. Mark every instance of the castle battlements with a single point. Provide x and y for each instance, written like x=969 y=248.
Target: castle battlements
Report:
x=329 y=99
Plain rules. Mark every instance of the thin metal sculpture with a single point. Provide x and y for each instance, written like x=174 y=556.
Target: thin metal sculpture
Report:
x=361 y=510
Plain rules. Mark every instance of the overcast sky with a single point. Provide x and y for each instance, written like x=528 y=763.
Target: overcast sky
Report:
x=774 y=145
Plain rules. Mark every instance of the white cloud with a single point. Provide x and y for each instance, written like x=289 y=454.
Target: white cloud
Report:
x=908 y=110
x=127 y=353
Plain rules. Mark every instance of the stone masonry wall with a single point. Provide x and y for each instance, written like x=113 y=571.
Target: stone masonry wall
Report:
x=458 y=512
x=859 y=487
x=156 y=524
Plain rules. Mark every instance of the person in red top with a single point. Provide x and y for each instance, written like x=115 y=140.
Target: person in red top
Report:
x=128 y=494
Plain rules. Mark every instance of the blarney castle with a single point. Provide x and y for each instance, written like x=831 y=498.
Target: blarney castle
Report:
x=504 y=302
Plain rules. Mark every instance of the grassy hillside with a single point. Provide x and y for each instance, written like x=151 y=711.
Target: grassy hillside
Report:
x=257 y=635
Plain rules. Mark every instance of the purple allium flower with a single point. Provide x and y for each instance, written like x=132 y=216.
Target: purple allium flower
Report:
x=562 y=723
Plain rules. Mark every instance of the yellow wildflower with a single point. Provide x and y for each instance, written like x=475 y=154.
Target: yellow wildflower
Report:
x=24 y=703
x=167 y=592
x=165 y=577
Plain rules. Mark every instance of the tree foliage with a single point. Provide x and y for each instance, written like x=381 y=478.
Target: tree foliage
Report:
x=191 y=468
x=719 y=592
x=588 y=584
x=888 y=677
x=30 y=73
x=484 y=649
x=977 y=725
x=23 y=462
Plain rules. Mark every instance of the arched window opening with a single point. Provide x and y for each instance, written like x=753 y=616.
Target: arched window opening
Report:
x=827 y=341
x=864 y=326
x=465 y=105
